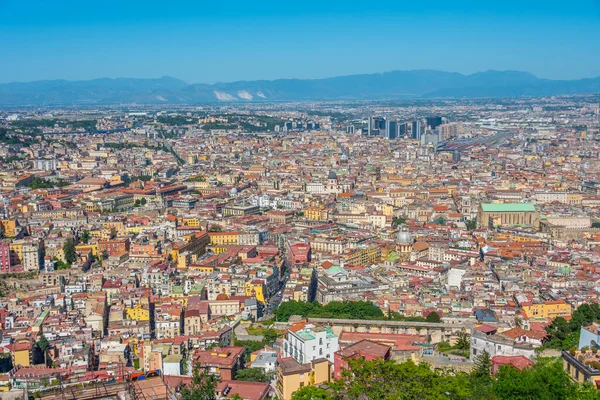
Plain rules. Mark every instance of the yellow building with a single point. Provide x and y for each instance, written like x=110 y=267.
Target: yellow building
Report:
x=138 y=313
x=223 y=238
x=219 y=249
x=16 y=251
x=549 y=309
x=9 y=227
x=292 y=376
x=577 y=365
x=193 y=222
x=118 y=226
x=256 y=289
x=362 y=257
x=194 y=244
x=135 y=229
x=103 y=233
x=315 y=214
x=23 y=354
x=87 y=248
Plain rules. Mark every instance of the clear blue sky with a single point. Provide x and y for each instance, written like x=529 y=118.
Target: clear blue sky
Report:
x=218 y=40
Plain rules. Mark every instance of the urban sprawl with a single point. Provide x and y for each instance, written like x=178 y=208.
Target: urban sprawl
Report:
x=268 y=248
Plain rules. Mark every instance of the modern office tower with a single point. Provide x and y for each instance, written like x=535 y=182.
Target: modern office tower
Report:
x=376 y=125
x=416 y=129
x=433 y=122
x=402 y=129
x=391 y=129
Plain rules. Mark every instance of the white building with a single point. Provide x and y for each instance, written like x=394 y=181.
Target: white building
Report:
x=501 y=344
x=306 y=342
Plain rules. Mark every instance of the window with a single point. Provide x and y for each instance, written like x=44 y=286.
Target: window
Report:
x=320 y=352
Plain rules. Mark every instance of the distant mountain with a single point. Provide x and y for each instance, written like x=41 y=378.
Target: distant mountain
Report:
x=394 y=84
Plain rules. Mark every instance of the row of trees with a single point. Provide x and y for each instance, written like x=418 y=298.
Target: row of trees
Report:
x=335 y=309
x=344 y=310
x=380 y=380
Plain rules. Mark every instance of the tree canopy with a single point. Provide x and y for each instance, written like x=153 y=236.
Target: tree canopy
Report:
x=251 y=375
x=69 y=250
x=564 y=334
x=335 y=309
x=202 y=387
x=387 y=380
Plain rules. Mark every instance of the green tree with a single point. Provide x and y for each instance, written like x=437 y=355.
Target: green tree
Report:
x=85 y=236
x=251 y=375
x=215 y=228
x=384 y=380
x=312 y=393
x=270 y=335
x=44 y=345
x=433 y=317
x=483 y=365
x=397 y=221
x=471 y=224
x=463 y=342
x=69 y=250
x=546 y=380
x=202 y=387
x=518 y=321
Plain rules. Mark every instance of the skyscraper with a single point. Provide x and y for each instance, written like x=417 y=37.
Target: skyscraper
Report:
x=416 y=129
x=433 y=122
x=391 y=129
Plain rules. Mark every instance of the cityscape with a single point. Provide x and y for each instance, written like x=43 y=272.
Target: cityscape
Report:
x=315 y=201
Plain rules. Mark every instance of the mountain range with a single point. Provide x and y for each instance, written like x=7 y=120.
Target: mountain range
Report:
x=394 y=84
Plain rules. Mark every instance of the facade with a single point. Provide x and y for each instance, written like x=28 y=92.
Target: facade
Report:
x=548 y=309
x=306 y=342
x=498 y=344
x=221 y=361
x=292 y=375
x=493 y=214
x=240 y=211
x=580 y=368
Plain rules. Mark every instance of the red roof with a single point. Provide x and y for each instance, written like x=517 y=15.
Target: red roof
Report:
x=485 y=328
x=519 y=362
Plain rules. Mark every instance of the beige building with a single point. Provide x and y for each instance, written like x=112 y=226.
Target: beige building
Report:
x=493 y=214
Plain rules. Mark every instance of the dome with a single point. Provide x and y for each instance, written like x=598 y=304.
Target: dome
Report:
x=222 y=296
x=332 y=175
x=233 y=191
x=344 y=157
x=404 y=235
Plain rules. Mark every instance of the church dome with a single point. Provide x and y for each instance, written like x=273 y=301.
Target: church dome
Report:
x=222 y=296
x=332 y=175
x=404 y=235
x=233 y=191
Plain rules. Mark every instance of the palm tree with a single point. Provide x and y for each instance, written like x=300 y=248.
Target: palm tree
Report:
x=518 y=321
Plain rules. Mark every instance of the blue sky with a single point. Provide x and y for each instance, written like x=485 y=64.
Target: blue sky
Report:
x=200 y=41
